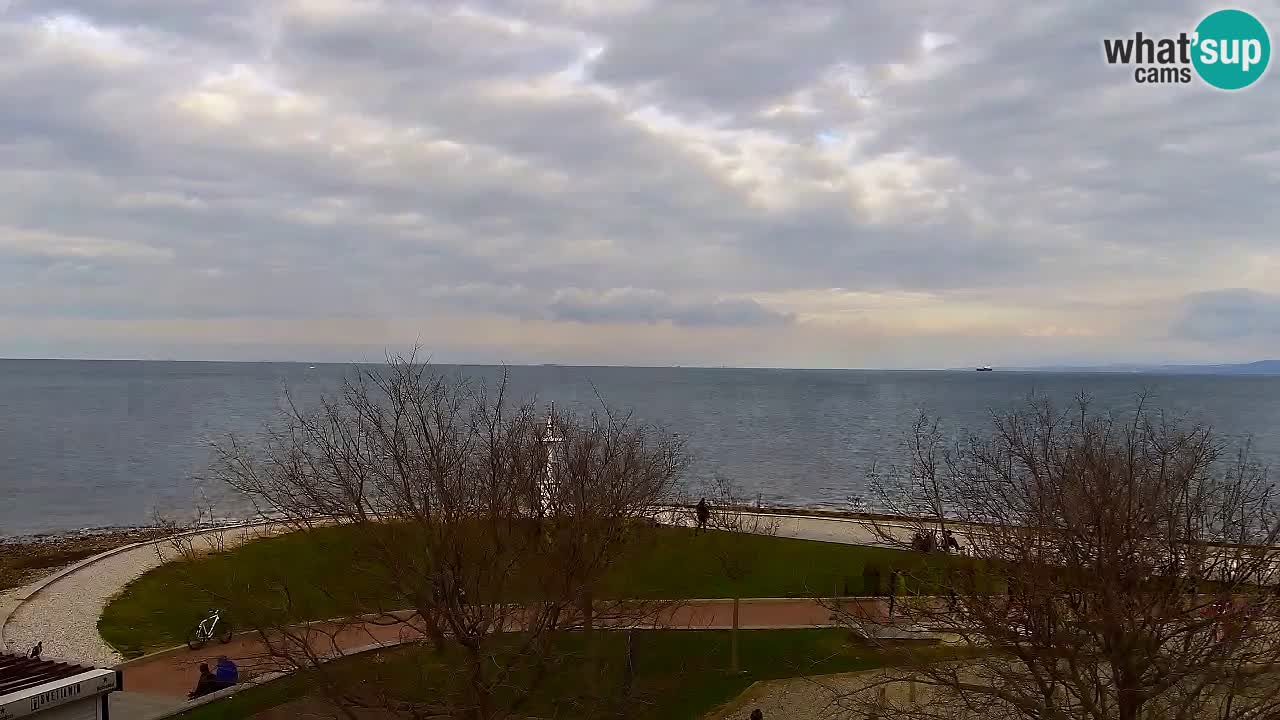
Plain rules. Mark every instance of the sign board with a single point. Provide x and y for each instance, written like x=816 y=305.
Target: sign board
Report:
x=77 y=688
x=84 y=709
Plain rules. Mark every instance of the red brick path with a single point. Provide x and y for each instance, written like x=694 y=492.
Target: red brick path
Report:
x=174 y=673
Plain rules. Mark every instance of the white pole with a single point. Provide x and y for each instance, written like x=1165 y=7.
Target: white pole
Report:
x=549 y=489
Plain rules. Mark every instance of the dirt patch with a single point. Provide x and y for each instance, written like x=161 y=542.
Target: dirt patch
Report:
x=25 y=559
x=315 y=708
x=307 y=707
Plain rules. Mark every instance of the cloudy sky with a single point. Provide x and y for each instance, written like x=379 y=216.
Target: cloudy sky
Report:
x=885 y=183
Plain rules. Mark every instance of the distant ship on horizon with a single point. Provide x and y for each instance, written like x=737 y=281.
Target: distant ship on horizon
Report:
x=984 y=368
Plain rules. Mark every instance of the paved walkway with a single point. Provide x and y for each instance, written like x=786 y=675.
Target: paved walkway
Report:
x=64 y=613
x=173 y=673
x=847 y=530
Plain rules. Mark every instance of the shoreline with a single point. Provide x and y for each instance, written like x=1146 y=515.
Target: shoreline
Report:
x=26 y=558
x=55 y=536
x=87 y=534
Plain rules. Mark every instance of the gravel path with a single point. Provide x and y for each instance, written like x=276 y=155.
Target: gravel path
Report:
x=64 y=615
x=808 y=698
x=793 y=699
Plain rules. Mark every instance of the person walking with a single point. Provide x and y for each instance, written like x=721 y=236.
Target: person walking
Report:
x=704 y=514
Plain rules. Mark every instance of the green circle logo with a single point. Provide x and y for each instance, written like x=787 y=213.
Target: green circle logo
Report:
x=1231 y=49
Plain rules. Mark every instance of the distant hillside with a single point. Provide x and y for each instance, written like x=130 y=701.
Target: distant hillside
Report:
x=1261 y=367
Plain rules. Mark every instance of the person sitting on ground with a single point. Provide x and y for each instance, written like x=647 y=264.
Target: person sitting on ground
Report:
x=704 y=514
x=226 y=672
x=757 y=715
x=207 y=683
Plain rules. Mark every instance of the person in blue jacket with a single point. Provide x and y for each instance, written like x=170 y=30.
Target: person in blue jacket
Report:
x=226 y=672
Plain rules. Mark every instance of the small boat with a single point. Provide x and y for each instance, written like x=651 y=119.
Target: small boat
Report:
x=984 y=368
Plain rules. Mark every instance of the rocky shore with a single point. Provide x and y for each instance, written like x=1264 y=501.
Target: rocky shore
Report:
x=28 y=557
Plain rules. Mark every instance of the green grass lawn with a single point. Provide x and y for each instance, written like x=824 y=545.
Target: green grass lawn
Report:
x=678 y=674
x=326 y=577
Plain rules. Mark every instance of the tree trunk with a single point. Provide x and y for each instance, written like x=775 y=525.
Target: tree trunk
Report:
x=1128 y=702
x=589 y=640
x=1127 y=705
x=629 y=678
x=733 y=639
x=882 y=703
x=431 y=620
x=479 y=708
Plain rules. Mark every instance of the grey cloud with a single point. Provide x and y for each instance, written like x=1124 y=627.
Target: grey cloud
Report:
x=729 y=313
x=430 y=40
x=659 y=168
x=1229 y=315
x=649 y=306
x=651 y=200
x=721 y=57
x=190 y=18
x=1037 y=97
x=609 y=306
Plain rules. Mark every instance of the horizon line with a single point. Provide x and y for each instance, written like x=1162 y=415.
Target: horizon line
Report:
x=479 y=364
x=1130 y=366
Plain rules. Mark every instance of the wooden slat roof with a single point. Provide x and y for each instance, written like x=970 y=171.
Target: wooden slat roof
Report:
x=21 y=673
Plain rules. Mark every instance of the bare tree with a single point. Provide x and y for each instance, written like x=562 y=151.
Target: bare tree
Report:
x=732 y=521
x=1115 y=567
x=468 y=534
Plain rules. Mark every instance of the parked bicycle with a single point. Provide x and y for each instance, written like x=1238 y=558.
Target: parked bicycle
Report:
x=209 y=628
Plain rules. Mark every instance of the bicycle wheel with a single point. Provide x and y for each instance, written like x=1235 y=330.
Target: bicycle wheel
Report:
x=224 y=632
x=196 y=639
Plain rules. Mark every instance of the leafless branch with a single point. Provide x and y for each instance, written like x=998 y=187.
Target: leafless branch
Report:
x=1114 y=567
x=473 y=535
